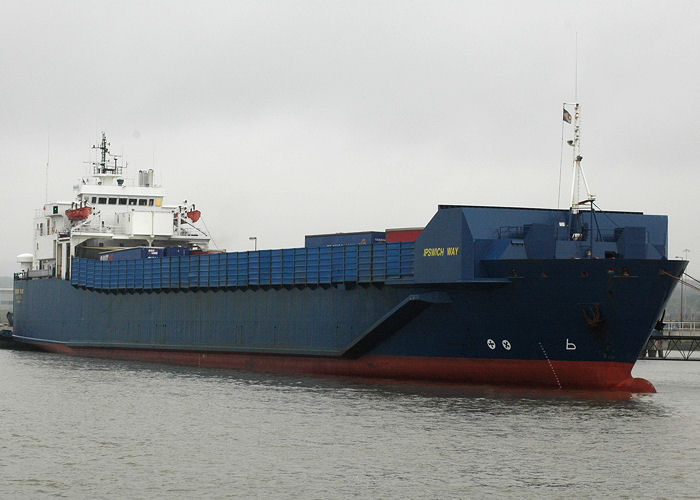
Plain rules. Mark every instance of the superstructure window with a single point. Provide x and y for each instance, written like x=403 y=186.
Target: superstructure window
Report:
x=142 y=203
x=112 y=201
x=132 y=201
x=102 y=201
x=122 y=201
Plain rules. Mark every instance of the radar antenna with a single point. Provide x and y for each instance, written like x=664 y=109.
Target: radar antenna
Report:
x=103 y=166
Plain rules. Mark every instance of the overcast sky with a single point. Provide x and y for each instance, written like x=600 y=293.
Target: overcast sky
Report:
x=281 y=119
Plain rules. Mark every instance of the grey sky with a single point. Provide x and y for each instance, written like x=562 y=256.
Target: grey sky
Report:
x=285 y=118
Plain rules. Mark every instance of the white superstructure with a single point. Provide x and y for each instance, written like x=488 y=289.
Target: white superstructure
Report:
x=110 y=212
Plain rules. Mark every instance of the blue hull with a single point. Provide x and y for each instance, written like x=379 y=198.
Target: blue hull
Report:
x=530 y=312
x=474 y=309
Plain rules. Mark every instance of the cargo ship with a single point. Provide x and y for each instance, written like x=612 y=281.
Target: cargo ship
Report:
x=553 y=298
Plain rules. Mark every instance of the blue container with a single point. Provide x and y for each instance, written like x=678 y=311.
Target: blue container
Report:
x=231 y=269
x=288 y=266
x=242 y=266
x=203 y=275
x=165 y=272
x=135 y=253
x=379 y=262
x=147 y=274
x=312 y=266
x=338 y=264
x=324 y=265
x=131 y=274
x=276 y=267
x=176 y=252
x=407 y=259
x=138 y=274
x=113 y=275
x=90 y=281
x=264 y=267
x=185 y=272
x=214 y=272
x=300 y=265
x=98 y=274
x=364 y=263
x=344 y=239
x=221 y=263
x=189 y=271
x=175 y=272
x=75 y=271
x=121 y=274
x=351 y=263
x=393 y=260
x=253 y=268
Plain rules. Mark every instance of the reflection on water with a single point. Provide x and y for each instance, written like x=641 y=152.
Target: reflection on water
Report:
x=86 y=427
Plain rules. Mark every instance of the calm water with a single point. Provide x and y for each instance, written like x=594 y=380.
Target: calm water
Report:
x=84 y=428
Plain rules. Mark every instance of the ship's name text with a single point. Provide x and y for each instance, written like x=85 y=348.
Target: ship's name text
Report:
x=440 y=252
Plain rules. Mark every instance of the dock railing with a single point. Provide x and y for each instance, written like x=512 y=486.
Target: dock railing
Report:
x=682 y=328
x=678 y=338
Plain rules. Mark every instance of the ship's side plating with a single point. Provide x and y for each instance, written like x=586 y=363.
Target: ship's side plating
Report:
x=498 y=295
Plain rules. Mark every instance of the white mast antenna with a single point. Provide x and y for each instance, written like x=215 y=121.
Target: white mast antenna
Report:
x=576 y=70
x=578 y=175
x=48 y=155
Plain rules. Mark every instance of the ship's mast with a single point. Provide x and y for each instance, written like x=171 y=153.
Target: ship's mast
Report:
x=578 y=203
x=579 y=177
x=101 y=167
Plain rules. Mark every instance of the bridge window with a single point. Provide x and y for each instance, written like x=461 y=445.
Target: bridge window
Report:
x=102 y=201
x=132 y=201
x=94 y=200
x=112 y=201
x=150 y=202
x=122 y=201
x=142 y=203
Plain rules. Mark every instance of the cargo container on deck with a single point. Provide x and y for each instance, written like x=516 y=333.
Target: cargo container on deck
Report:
x=343 y=239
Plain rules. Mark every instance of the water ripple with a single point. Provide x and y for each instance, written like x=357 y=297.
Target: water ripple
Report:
x=89 y=428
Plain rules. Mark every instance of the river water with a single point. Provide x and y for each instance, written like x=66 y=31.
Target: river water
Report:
x=85 y=428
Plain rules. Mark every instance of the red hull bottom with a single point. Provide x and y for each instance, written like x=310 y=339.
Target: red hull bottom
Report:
x=512 y=372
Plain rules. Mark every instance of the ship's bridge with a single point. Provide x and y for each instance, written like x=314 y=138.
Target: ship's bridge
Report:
x=100 y=197
x=111 y=211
